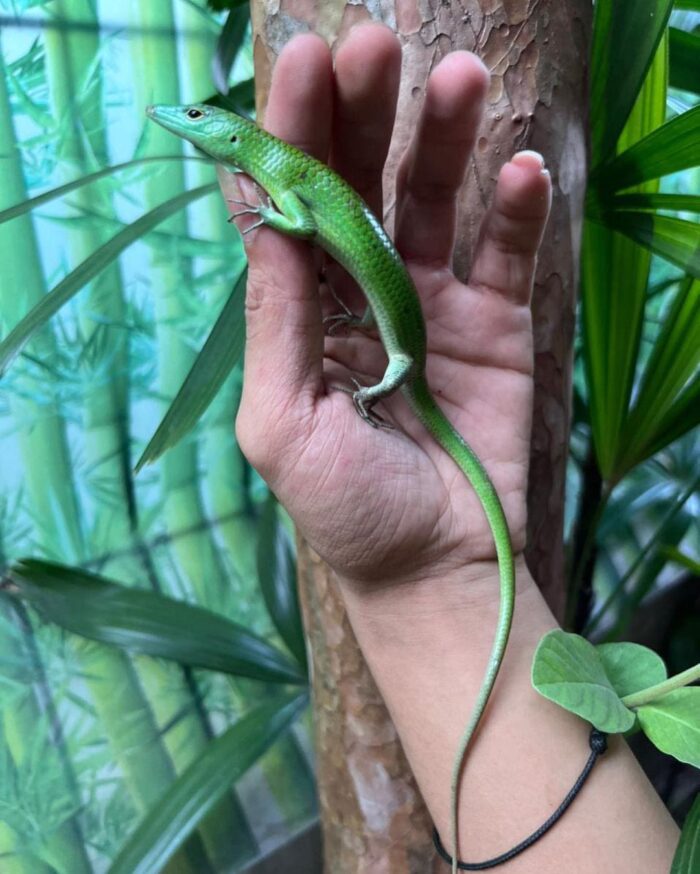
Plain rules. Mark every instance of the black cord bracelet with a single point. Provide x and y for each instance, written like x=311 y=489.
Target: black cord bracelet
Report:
x=599 y=743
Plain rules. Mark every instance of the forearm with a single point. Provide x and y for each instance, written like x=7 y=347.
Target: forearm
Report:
x=427 y=647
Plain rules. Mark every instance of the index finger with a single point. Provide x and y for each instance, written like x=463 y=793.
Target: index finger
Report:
x=284 y=347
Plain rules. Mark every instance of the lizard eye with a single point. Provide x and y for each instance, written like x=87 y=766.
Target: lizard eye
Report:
x=194 y=113
x=234 y=139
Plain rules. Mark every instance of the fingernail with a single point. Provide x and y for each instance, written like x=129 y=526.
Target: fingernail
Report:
x=529 y=156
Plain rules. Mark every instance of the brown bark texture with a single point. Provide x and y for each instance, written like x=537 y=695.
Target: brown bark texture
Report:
x=372 y=815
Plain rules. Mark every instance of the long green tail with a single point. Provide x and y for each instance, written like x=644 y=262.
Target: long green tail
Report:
x=426 y=409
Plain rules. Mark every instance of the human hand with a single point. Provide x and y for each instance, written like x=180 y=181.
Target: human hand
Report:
x=385 y=507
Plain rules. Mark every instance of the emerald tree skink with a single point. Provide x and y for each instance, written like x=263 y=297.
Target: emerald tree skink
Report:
x=308 y=200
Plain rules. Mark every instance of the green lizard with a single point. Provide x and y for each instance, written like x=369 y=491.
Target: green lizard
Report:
x=306 y=199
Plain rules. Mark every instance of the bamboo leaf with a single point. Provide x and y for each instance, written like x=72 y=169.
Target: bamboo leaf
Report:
x=672 y=725
x=622 y=52
x=673 y=146
x=40 y=199
x=149 y=623
x=684 y=67
x=15 y=341
x=216 y=359
x=687 y=856
x=674 y=239
x=278 y=580
x=196 y=791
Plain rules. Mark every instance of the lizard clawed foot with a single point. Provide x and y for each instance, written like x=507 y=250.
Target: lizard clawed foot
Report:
x=342 y=320
x=250 y=209
x=346 y=319
x=364 y=405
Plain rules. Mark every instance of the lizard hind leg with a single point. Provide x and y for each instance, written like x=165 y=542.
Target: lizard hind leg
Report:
x=365 y=397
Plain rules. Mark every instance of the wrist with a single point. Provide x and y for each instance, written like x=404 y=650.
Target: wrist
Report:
x=472 y=590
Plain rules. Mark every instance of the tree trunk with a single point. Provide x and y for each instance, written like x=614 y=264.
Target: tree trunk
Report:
x=537 y=50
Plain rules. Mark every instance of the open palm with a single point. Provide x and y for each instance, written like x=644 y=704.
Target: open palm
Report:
x=380 y=505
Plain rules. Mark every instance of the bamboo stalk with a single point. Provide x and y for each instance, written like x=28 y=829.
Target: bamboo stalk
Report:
x=71 y=53
x=196 y=553
x=48 y=478
x=20 y=720
x=51 y=499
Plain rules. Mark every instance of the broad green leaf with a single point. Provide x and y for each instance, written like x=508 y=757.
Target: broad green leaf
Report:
x=684 y=67
x=568 y=670
x=33 y=202
x=278 y=580
x=195 y=792
x=88 y=269
x=216 y=359
x=654 y=201
x=673 y=725
x=229 y=44
x=149 y=623
x=623 y=47
x=631 y=667
x=686 y=859
x=674 y=239
x=673 y=146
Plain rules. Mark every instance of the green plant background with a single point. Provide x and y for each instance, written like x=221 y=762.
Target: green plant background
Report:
x=129 y=722
x=91 y=737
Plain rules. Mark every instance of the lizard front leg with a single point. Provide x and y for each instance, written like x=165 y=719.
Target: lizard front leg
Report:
x=288 y=214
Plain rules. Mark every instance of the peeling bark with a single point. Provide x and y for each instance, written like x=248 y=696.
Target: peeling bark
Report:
x=373 y=817
x=536 y=50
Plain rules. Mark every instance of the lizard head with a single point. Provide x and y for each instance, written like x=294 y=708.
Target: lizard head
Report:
x=217 y=132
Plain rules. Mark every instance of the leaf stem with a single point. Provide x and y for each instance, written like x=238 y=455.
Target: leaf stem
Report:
x=645 y=696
